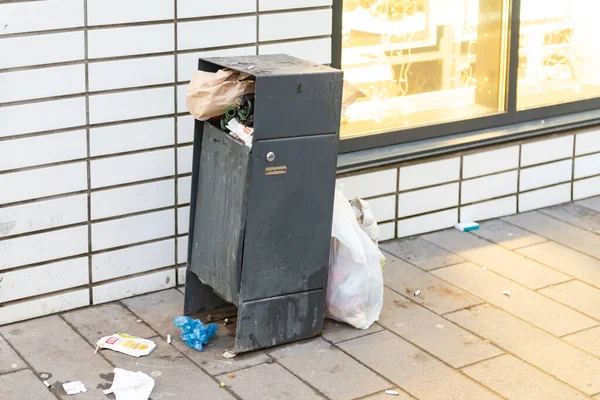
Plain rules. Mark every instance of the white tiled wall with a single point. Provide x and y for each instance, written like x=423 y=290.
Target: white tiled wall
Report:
x=95 y=140
x=494 y=183
x=96 y=153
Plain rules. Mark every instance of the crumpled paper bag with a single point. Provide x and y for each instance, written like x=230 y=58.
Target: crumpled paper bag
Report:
x=129 y=385
x=211 y=94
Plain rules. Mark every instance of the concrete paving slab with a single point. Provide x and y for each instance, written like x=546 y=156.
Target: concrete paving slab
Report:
x=413 y=370
x=507 y=235
x=50 y=345
x=432 y=333
x=558 y=231
x=540 y=311
x=592 y=203
x=159 y=309
x=575 y=214
x=571 y=262
x=517 y=380
x=336 y=332
x=269 y=381
x=329 y=370
x=95 y=322
x=577 y=295
x=588 y=340
x=505 y=262
x=24 y=385
x=9 y=360
x=421 y=253
x=550 y=354
x=435 y=294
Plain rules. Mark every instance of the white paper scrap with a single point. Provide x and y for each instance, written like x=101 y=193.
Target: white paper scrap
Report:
x=129 y=385
x=74 y=387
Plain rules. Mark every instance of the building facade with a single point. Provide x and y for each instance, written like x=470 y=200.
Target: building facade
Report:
x=465 y=110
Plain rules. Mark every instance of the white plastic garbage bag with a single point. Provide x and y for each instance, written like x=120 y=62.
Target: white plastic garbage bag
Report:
x=355 y=286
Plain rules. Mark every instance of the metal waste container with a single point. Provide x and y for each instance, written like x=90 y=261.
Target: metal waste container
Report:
x=260 y=219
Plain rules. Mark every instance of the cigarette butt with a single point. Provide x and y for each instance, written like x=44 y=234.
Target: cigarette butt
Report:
x=222 y=384
x=231 y=376
x=418 y=292
x=169 y=339
x=96 y=350
x=47 y=384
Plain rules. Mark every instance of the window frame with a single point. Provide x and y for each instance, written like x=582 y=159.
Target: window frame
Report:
x=511 y=116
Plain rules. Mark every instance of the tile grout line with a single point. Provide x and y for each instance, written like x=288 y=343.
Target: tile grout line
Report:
x=175 y=141
x=88 y=152
x=460 y=184
x=519 y=177
x=573 y=167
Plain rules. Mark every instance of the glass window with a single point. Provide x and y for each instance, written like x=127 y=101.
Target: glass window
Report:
x=413 y=62
x=559 y=52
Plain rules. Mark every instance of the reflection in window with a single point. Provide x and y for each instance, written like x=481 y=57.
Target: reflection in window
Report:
x=559 y=52
x=414 y=62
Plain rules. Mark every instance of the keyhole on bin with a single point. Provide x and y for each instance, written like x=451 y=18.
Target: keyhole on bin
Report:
x=299 y=88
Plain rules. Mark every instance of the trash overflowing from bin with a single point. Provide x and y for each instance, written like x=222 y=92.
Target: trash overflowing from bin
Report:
x=194 y=333
x=126 y=344
x=355 y=286
x=225 y=99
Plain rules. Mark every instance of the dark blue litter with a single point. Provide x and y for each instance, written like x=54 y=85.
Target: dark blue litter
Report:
x=194 y=333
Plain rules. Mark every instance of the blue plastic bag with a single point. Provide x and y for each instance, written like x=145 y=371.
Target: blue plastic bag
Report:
x=194 y=333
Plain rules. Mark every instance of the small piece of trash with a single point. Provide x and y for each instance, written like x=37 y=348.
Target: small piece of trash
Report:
x=418 y=292
x=129 y=385
x=392 y=393
x=14 y=366
x=467 y=226
x=139 y=320
x=169 y=339
x=126 y=344
x=75 y=387
x=222 y=384
x=47 y=384
x=506 y=293
x=44 y=375
x=250 y=67
x=226 y=321
x=231 y=376
x=484 y=268
x=229 y=354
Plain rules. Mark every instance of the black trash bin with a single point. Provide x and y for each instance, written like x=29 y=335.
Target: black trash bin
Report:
x=260 y=219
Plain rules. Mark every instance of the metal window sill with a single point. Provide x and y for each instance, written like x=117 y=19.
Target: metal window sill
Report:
x=384 y=156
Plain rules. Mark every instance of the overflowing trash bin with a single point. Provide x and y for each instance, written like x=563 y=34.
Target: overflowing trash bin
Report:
x=263 y=185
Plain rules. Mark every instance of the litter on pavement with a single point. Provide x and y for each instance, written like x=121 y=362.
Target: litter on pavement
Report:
x=194 y=333
x=126 y=344
x=75 y=387
x=129 y=385
x=392 y=393
x=506 y=293
x=467 y=226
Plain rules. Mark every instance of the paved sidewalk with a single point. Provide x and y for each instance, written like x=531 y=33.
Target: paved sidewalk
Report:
x=511 y=311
